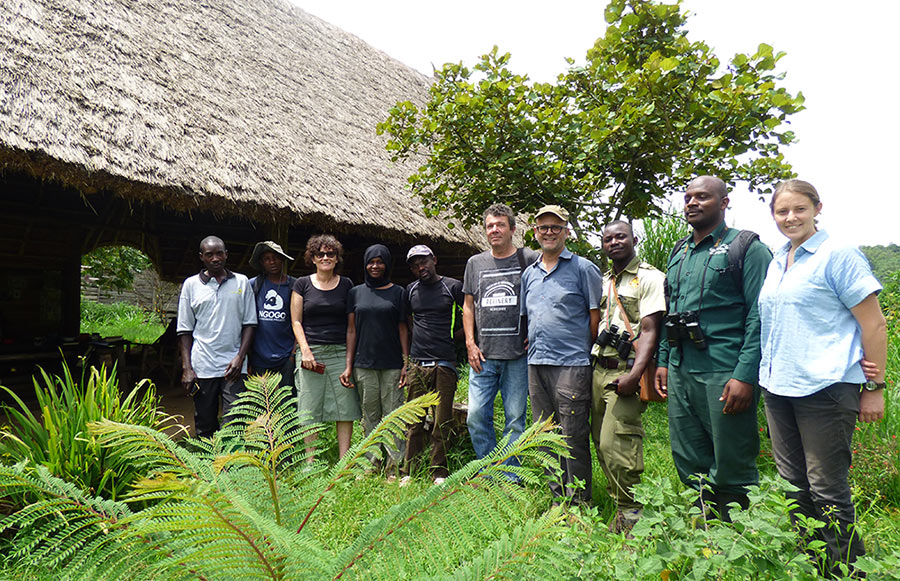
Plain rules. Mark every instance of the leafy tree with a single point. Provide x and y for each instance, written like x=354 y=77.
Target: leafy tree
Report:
x=114 y=267
x=650 y=110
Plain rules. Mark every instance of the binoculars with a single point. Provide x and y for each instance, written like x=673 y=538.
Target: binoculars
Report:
x=612 y=338
x=684 y=325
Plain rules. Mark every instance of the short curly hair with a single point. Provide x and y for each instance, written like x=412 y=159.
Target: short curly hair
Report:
x=319 y=241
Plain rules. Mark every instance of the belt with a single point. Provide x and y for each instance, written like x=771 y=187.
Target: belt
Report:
x=613 y=362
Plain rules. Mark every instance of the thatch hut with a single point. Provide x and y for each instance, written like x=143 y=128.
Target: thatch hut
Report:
x=153 y=123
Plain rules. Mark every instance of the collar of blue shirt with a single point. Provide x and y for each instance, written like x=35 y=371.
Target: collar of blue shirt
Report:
x=565 y=255
x=812 y=244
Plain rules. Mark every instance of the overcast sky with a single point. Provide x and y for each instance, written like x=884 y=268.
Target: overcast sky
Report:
x=841 y=56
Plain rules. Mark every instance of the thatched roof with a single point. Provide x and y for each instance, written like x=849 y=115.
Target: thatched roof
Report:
x=248 y=107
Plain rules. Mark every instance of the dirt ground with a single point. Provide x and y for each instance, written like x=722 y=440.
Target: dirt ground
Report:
x=176 y=402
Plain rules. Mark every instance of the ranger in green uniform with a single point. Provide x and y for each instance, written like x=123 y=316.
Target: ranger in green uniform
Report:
x=632 y=308
x=710 y=351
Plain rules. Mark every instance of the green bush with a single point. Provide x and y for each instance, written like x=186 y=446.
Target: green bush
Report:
x=57 y=438
x=673 y=541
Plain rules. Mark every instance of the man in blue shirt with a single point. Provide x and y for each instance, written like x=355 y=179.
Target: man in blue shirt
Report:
x=560 y=296
x=273 y=342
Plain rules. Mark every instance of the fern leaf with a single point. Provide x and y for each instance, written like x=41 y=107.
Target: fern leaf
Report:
x=473 y=505
x=63 y=522
x=385 y=434
x=393 y=426
x=149 y=450
x=529 y=551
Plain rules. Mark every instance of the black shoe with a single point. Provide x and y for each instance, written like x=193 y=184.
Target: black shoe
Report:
x=724 y=499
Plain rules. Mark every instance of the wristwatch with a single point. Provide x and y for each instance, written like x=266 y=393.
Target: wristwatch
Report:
x=874 y=385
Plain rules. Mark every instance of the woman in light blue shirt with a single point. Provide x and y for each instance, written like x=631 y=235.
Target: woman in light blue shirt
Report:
x=820 y=320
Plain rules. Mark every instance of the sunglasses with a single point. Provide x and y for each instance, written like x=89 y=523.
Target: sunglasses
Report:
x=326 y=254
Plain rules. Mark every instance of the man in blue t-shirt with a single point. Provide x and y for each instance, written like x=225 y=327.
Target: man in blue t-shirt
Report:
x=273 y=344
x=560 y=296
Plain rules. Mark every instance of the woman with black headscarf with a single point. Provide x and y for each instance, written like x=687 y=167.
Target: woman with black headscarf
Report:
x=377 y=344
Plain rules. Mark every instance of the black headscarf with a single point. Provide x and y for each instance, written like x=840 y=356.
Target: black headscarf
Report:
x=378 y=251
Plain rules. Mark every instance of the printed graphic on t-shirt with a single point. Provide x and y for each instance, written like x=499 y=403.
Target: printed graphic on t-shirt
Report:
x=499 y=305
x=273 y=307
x=273 y=301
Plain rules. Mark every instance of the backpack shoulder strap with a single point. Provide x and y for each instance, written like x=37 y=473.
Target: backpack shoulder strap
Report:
x=256 y=284
x=737 y=250
x=678 y=246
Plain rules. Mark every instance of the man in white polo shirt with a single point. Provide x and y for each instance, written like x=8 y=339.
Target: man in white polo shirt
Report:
x=216 y=320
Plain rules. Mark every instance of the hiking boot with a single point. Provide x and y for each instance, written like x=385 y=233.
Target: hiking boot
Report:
x=624 y=521
x=723 y=499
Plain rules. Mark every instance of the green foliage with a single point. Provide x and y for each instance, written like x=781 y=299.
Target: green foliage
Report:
x=245 y=504
x=885 y=260
x=650 y=110
x=659 y=237
x=875 y=471
x=57 y=438
x=120 y=319
x=889 y=299
x=114 y=267
x=673 y=541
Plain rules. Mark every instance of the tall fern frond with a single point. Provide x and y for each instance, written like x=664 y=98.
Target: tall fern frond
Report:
x=218 y=532
x=58 y=519
x=530 y=550
x=217 y=509
x=385 y=434
x=264 y=421
x=166 y=466
x=475 y=504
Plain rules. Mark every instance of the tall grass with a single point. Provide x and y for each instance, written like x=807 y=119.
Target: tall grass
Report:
x=120 y=319
x=659 y=237
x=56 y=437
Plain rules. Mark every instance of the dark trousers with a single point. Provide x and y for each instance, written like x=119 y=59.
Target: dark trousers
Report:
x=563 y=394
x=720 y=447
x=286 y=369
x=811 y=439
x=206 y=403
x=422 y=380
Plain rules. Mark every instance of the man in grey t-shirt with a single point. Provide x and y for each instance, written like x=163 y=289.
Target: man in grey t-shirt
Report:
x=216 y=320
x=495 y=332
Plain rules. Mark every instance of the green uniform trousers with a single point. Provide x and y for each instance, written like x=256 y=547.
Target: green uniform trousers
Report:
x=618 y=436
x=722 y=448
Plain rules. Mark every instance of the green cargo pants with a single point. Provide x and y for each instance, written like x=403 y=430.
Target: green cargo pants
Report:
x=618 y=436
x=723 y=448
